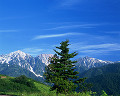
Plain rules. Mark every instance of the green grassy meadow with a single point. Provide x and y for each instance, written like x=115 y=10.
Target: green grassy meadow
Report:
x=22 y=87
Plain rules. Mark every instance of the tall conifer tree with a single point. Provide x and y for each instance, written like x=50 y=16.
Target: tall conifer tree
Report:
x=60 y=72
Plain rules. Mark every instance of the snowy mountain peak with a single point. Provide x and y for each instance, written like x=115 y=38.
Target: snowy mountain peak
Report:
x=19 y=52
x=13 y=56
x=89 y=62
x=45 y=58
x=90 y=59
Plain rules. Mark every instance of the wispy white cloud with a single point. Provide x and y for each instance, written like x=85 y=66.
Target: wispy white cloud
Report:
x=2 y=31
x=55 y=35
x=98 y=46
x=93 y=49
x=74 y=26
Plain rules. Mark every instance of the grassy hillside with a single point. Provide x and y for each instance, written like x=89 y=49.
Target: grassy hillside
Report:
x=24 y=86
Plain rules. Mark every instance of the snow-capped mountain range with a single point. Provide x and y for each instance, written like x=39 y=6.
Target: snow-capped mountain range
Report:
x=37 y=64
x=91 y=62
x=26 y=61
x=86 y=63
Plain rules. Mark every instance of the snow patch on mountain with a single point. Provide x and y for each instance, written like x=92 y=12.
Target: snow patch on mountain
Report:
x=9 y=57
x=31 y=69
x=45 y=58
x=89 y=62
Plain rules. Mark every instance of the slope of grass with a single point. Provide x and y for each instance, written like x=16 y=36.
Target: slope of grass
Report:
x=21 y=86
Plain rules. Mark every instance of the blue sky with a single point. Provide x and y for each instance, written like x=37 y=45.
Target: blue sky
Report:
x=37 y=26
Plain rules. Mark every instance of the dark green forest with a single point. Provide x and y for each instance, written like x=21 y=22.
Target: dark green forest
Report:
x=105 y=78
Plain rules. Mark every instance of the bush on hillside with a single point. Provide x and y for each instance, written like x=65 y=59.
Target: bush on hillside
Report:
x=24 y=80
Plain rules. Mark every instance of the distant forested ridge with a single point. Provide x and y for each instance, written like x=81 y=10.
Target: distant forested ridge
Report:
x=105 y=78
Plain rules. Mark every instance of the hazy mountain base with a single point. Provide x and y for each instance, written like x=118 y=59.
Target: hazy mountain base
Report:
x=15 y=71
